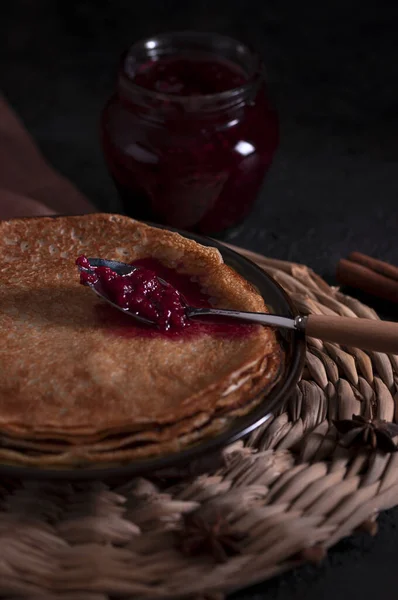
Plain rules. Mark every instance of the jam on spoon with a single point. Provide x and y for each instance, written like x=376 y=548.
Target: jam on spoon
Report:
x=140 y=292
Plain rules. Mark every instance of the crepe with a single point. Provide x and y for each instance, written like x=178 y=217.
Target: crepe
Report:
x=39 y=454
x=69 y=376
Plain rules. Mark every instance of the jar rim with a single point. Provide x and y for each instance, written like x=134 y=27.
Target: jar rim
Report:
x=155 y=46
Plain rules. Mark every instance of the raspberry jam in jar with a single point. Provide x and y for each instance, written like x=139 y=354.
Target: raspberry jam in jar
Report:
x=189 y=134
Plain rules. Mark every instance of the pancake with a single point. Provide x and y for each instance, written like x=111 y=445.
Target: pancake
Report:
x=100 y=455
x=69 y=373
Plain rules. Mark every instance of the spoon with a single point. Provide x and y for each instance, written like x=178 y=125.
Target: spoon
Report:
x=368 y=334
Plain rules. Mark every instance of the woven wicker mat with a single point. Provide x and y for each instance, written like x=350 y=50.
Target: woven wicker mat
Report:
x=292 y=488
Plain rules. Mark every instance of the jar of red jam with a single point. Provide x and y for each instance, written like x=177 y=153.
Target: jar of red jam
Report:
x=189 y=133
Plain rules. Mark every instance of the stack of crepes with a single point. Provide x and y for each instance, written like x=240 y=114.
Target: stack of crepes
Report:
x=75 y=390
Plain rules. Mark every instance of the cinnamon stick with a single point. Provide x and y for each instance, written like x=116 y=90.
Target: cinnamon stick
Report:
x=372 y=282
x=374 y=264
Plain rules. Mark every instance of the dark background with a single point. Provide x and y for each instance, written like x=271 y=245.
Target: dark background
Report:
x=333 y=75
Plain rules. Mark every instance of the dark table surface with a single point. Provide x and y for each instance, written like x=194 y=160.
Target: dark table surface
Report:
x=333 y=187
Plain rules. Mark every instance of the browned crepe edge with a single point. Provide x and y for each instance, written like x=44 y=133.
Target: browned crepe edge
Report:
x=195 y=423
x=80 y=457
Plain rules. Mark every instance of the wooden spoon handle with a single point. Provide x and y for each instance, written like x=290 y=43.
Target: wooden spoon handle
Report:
x=368 y=334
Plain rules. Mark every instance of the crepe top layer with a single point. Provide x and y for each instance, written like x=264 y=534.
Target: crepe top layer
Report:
x=64 y=368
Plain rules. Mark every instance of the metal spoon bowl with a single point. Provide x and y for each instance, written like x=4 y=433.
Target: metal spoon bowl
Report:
x=122 y=269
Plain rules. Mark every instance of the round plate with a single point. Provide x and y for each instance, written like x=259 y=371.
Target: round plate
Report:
x=294 y=345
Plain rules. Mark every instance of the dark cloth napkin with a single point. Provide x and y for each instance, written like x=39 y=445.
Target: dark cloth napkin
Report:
x=28 y=185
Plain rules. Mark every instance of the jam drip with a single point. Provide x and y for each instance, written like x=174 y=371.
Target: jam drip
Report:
x=140 y=292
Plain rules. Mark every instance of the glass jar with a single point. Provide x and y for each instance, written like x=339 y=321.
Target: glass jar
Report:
x=189 y=133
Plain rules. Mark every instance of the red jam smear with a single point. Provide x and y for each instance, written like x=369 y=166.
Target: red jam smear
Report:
x=194 y=169
x=140 y=292
x=119 y=324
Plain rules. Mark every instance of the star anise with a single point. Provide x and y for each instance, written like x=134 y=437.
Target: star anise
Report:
x=209 y=534
x=375 y=433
